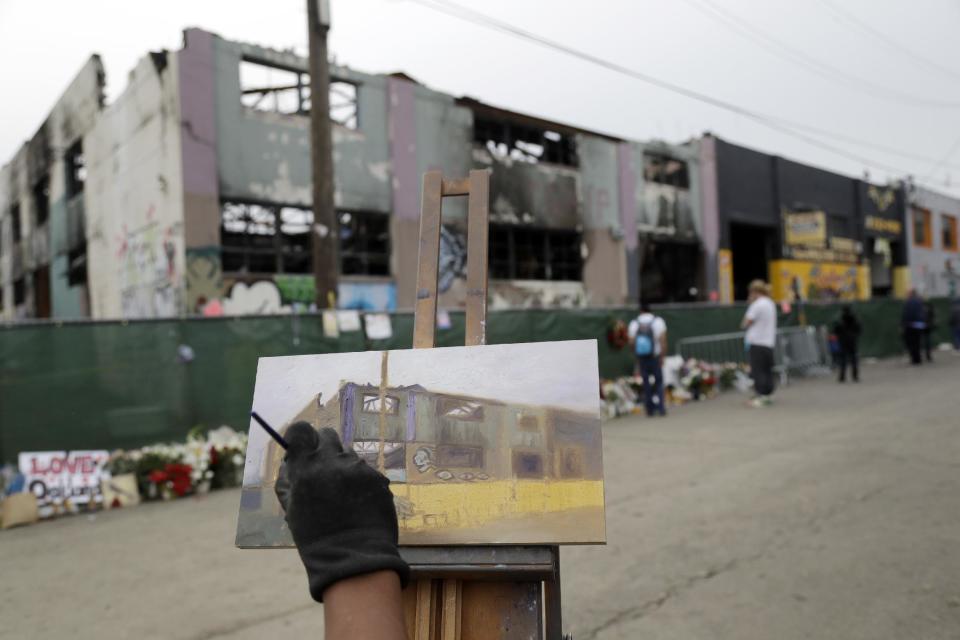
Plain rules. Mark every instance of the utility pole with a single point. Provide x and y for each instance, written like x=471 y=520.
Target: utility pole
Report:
x=325 y=236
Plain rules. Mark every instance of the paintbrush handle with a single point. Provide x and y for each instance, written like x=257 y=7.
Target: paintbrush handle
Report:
x=273 y=434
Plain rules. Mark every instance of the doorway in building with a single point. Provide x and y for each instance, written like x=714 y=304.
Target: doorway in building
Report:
x=880 y=257
x=670 y=271
x=752 y=248
x=41 y=292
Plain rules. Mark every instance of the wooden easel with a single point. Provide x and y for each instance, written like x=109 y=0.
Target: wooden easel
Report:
x=472 y=592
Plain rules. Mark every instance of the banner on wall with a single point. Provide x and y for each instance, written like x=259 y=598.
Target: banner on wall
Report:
x=58 y=477
x=819 y=281
x=725 y=276
x=808 y=229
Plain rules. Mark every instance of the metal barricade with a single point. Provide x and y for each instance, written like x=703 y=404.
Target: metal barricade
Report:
x=799 y=350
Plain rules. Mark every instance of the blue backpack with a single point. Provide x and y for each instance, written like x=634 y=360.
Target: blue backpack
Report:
x=643 y=344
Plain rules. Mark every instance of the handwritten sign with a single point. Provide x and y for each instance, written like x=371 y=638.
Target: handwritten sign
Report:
x=59 y=478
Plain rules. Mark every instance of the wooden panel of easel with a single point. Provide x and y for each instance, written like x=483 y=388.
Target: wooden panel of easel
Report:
x=478 y=600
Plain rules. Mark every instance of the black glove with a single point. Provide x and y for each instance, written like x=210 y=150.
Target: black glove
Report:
x=339 y=509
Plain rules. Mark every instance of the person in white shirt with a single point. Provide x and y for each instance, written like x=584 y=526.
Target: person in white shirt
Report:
x=648 y=337
x=760 y=321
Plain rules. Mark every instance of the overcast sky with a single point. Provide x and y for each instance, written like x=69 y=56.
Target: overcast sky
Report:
x=873 y=71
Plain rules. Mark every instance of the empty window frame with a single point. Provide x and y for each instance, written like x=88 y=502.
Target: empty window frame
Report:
x=284 y=90
x=19 y=291
x=662 y=169
x=41 y=200
x=524 y=141
x=265 y=87
x=371 y=404
x=364 y=243
x=250 y=242
x=948 y=231
x=76 y=169
x=16 y=231
x=528 y=253
x=460 y=409
x=343 y=104
x=922 y=236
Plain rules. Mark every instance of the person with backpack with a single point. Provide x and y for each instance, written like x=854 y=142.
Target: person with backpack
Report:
x=847 y=330
x=648 y=337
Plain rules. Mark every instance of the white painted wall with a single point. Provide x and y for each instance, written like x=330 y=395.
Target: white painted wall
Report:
x=930 y=269
x=134 y=200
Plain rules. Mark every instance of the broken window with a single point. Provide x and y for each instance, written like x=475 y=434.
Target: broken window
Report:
x=524 y=142
x=364 y=243
x=285 y=90
x=266 y=87
x=343 y=104
x=15 y=230
x=248 y=238
x=662 y=169
x=76 y=169
x=458 y=409
x=371 y=404
x=527 y=253
x=19 y=291
x=41 y=200
x=77 y=266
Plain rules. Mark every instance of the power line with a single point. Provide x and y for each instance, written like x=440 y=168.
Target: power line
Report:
x=778 y=124
x=786 y=52
x=942 y=161
x=851 y=19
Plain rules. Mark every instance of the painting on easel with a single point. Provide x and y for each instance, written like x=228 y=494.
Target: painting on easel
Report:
x=483 y=445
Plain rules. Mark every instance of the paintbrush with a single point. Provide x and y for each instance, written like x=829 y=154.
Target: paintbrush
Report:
x=273 y=434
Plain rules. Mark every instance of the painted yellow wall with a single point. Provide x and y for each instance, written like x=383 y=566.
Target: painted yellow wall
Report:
x=846 y=281
x=476 y=504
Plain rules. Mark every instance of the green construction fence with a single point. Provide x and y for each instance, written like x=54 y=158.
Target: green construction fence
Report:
x=92 y=385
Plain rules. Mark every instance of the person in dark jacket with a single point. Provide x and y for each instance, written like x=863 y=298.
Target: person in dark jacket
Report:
x=928 y=318
x=955 y=322
x=913 y=322
x=847 y=330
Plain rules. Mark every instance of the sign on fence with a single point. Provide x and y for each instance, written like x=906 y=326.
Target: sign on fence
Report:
x=56 y=477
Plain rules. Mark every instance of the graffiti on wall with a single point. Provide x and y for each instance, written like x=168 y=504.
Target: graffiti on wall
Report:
x=204 y=277
x=214 y=295
x=453 y=257
x=149 y=280
x=519 y=294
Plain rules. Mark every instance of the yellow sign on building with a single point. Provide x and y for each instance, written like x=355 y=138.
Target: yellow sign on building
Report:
x=725 y=276
x=808 y=229
x=819 y=280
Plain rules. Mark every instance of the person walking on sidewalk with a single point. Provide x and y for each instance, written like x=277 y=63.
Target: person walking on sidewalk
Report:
x=913 y=322
x=760 y=321
x=930 y=318
x=648 y=337
x=847 y=330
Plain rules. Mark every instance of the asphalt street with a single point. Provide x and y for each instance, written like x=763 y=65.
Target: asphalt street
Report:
x=834 y=513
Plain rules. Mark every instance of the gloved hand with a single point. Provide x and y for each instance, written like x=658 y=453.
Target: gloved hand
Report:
x=339 y=509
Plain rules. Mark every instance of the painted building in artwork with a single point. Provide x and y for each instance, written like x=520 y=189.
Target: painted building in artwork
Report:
x=933 y=219
x=191 y=194
x=807 y=231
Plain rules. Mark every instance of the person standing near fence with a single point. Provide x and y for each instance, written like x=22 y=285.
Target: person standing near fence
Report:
x=955 y=322
x=913 y=323
x=648 y=337
x=760 y=321
x=930 y=318
x=847 y=330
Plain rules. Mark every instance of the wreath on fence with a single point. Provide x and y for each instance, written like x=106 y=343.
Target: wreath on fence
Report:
x=617 y=335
